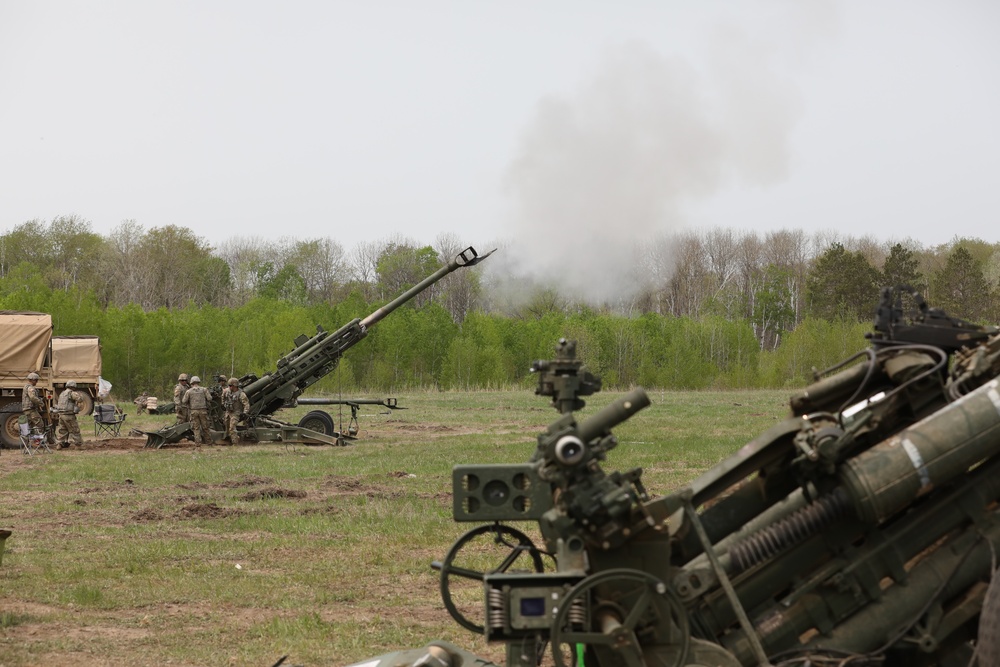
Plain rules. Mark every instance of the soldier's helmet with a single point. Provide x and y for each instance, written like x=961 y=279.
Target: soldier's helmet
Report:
x=71 y=384
x=195 y=379
x=222 y=378
x=182 y=377
x=32 y=376
x=233 y=382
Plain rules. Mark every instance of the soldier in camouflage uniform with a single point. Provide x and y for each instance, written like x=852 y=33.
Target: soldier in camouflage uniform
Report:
x=197 y=400
x=141 y=403
x=236 y=403
x=218 y=389
x=32 y=404
x=66 y=407
x=182 y=386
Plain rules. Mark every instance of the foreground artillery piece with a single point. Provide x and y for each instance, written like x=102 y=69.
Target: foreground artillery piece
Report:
x=311 y=360
x=860 y=531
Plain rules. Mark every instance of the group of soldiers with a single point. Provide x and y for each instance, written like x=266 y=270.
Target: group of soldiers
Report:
x=192 y=403
x=67 y=407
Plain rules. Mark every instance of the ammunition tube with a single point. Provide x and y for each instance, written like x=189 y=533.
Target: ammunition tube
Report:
x=613 y=414
x=889 y=476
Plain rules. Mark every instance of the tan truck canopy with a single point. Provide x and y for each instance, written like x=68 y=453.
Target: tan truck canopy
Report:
x=76 y=358
x=25 y=339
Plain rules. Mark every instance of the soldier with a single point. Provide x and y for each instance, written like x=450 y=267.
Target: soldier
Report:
x=236 y=403
x=221 y=385
x=197 y=400
x=66 y=407
x=179 y=390
x=141 y=402
x=32 y=403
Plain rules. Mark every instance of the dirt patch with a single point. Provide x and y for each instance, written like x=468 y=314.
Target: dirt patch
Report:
x=147 y=514
x=272 y=492
x=424 y=428
x=328 y=510
x=116 y=443
x=110 y=487
x=206 y=511
x=401 y=474
x=345 y=483
x=247 y=480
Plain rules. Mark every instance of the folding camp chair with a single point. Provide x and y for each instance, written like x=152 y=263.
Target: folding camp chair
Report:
x=32 y=442
x=108 y=420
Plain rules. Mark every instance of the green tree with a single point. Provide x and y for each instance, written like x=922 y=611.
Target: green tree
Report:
x=400 y=267
x=176 y=261
x=772 y=309
x=960 y=287
x=842 y=284
x=901 y=268
x=284 y=285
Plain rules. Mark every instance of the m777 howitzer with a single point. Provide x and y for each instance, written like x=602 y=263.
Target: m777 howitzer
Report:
x=311 y=360
x=862 y=530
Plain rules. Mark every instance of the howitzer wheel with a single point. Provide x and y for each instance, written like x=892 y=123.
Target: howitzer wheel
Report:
x=319 y=421
x=477 y=558
x=611 y=610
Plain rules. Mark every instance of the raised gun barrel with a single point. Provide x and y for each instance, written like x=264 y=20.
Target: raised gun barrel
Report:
x=312 y=359
x=315 y=357
x=468 y=257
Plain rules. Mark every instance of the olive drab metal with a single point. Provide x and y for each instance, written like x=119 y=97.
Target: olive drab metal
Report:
x=312 y=359
x=862 y=530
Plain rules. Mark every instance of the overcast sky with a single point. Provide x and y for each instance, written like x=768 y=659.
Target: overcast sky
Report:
x=538 y=122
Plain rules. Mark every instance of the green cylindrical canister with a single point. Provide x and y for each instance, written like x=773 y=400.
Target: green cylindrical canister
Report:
x=890 y=475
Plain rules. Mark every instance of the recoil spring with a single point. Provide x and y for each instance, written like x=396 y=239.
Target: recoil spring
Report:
x=578 y=612
x=495 y=608
x=791 y=530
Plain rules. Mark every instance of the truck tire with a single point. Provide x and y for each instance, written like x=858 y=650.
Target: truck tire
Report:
x=10 y=431
x=319 y=421
x=86 y=405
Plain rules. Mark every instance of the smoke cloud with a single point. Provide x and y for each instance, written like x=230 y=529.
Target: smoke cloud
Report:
x=603 y=171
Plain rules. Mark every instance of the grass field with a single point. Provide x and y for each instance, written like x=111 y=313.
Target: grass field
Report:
x=238 y=556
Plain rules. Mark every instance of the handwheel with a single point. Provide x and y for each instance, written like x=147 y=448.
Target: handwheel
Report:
x=623 y=605
x=471 y=558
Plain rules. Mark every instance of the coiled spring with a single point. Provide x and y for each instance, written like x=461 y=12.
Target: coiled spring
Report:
x=495 y=608
x=791 y=530
x=577 y=613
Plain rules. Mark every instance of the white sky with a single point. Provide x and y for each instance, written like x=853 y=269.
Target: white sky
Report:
x=493 y=120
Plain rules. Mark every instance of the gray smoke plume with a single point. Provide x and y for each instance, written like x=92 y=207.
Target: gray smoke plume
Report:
x=602 y=172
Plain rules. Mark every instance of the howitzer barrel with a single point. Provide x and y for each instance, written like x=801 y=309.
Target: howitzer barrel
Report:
x=468 y=257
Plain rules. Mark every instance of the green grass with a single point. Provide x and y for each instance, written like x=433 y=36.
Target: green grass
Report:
x=135 y=556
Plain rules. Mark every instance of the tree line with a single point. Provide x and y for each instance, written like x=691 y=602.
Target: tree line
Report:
x=421 y=347
x=713 y=309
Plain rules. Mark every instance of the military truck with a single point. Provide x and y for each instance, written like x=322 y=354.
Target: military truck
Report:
x=30 y=347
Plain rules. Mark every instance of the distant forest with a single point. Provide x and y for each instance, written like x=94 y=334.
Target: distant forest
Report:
x=716 y=309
